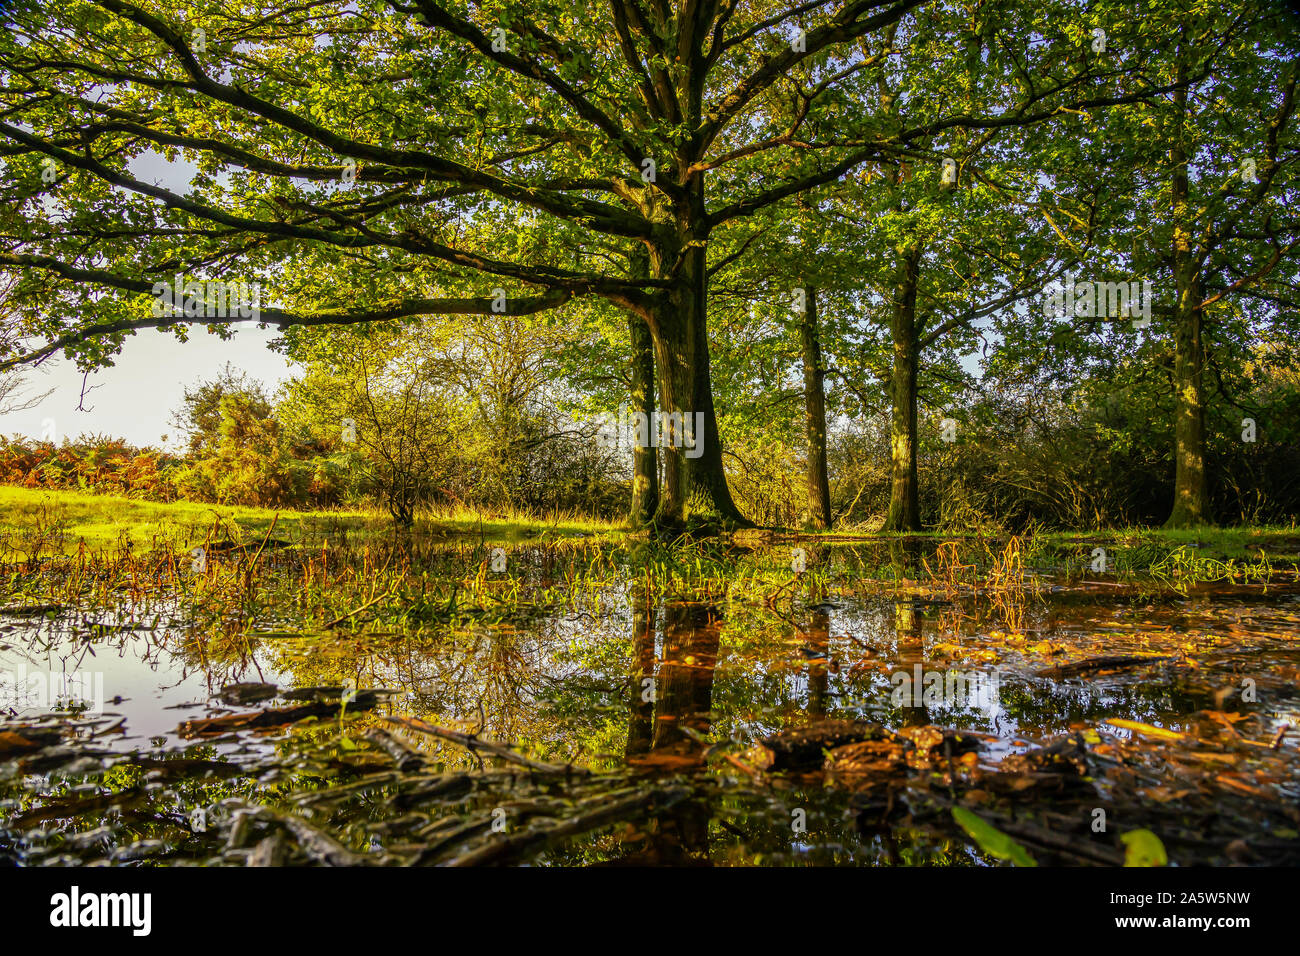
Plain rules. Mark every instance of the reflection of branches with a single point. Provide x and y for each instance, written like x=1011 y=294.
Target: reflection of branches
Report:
x=473 y=742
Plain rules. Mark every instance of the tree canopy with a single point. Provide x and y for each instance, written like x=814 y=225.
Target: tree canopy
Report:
x=361 y=161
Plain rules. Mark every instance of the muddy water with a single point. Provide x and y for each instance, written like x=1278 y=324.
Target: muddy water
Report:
x=645 y=721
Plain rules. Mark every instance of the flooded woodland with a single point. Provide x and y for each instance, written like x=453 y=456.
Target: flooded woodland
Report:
x=753 y=701
x=746 y=437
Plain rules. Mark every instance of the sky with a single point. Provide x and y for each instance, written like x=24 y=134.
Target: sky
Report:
x=135 y=398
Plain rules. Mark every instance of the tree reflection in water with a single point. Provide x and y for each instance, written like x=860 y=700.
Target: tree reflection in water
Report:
x=679 y=695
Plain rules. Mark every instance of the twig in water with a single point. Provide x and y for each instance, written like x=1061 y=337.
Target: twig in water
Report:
x=473 y=743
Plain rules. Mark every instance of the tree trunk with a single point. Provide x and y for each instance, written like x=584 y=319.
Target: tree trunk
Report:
x=814 y=374
x=1191 y=493
x=904 y=506
x=694 y=493
x=645 y=464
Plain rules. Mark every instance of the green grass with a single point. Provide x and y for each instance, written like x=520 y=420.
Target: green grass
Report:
x=1225 y=543
x=1238 y=543
x=101 y=521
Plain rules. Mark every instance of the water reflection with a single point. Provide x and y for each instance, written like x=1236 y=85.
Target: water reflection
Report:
x=629 y=681
x=672 y=710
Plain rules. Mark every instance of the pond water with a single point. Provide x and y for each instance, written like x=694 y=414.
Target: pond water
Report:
x=579 y=708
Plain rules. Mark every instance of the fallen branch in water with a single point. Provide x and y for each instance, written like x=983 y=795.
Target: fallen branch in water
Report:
x=407 y=760
x=319 y=846
x=1086 y=850
x=607 y=808
x=1098 y=664
x=272 y=717
x=475 y=743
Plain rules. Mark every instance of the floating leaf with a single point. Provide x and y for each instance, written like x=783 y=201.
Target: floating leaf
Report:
x=1148 y=729
x=1143 y=848
x=992 y=840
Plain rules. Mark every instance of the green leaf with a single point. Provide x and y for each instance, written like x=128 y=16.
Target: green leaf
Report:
x=1143 y=848
x=992 y=840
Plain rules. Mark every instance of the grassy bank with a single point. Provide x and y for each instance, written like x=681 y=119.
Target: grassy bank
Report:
x=67 y=518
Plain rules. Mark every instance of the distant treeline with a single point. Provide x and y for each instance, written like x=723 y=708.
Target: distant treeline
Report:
x=1005 y=459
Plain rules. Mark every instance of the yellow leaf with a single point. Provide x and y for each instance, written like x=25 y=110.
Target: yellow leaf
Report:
x=1143 y=848
x=1141 y=728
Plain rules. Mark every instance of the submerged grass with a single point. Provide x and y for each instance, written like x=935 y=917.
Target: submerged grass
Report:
x=296 y=571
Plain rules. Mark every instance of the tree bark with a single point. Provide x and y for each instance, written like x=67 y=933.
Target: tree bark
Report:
x=694 y=494
x=645 y=464
x=1191 y=493
x=814 y=391
x=904 y=504
x=1191 y=490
